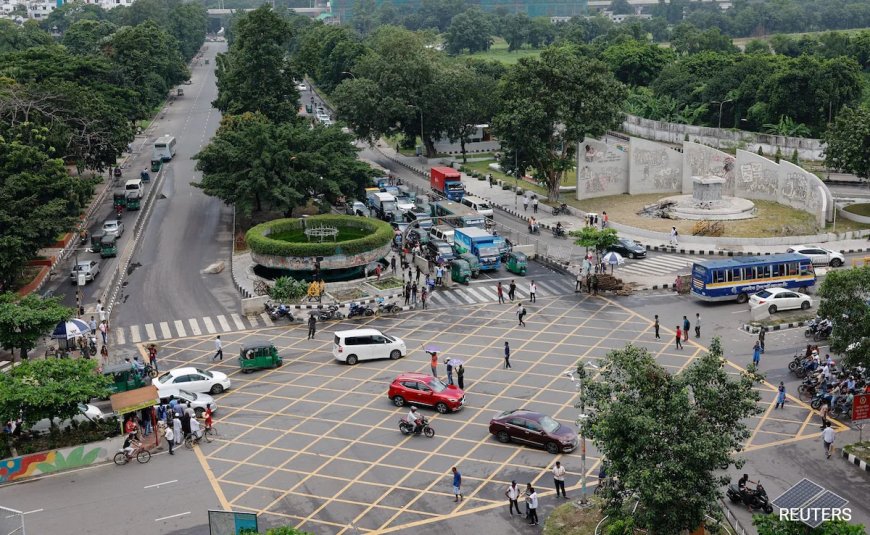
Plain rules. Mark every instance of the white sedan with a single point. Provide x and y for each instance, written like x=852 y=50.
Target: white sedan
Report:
x=780 y=299
x=198 y=402
x=191 y=379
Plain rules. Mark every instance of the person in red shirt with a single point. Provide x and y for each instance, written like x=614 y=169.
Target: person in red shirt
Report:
x=679 y=337
x=130 y=426
x=208 y=413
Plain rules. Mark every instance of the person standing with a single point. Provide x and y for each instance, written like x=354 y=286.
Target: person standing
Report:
x=559 y=478
x=512 y=290
x=656 y=325
x=507 y=355
x=697 y=324
x=604 y=219
x=533 y=506
x=393 y=264
x=756 y=354
x=439 y=275
x=407 y=292
x=449 y=371
x=761 y=334
x=176 y=430
x=679 y=338
x=533 y=288
x=170 y=439
x=460 y=376
x=594 y=284
x=686 y=326
x=521 y=313
x=93 y=326
x=525 y=203
x=434 y=362
x=418 y=272
x=499 y=289
x=423 y=295
x=513 y=494
x=312 y=326
x=674 y=236
x=780 y=396
x=378 y=272
x=489 y=178
x=152 y=357
x=535 y=203
x=414 y=293
x=104 y=353
x=185 y=425
x=104 y=332
x=219 y=348
x=457 y=485
x=828 y=439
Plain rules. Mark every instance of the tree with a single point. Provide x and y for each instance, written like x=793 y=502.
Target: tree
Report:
x=23 y=320
x=85 y=36
x=636 y=63
x=65 y=15
x=848 y=142
x=541 y=32
x=757 y=46
x=772 y=525
x=256 y=75
x=14 y=38
x=665 y=436
x=844 y=297
x=515 y=30
x=187 y=23
x=473 y=105
x=470 y=30
x=595 y=239
x=621 y=7
x=49 y=388
x=549 y=104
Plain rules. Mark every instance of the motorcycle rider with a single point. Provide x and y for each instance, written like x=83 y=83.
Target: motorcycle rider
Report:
x=533 y=226
x=416 y=419
x=560 y=231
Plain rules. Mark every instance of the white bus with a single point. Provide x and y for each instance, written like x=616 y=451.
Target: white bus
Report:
x=164 y=148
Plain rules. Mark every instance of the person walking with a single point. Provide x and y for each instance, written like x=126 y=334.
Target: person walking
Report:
x=697 y=324
x=525 y=203
x=507 y=355
x=679 y=338
x=756 y=354
x=489 y=178
x=414 y=293
x=170 y=439
x=521 y=313
x=535 y=203
x=93 y=326
x=434 y=362
x=460 y=376
x=219 y=348
x=152 y=357
x=533 y=506
x=674 y=237
x=407 y=292
x=513 y=494
x=499 y=289
x=780 y=396
x=656 y=325
x=533 y=288
x=185 y=425
x=512 y=290
x=686 y=326
x=393 y=264
x=423 y=295
x=439 y=275
x=104 y=353
x=449 y=371
x=828 y=439
x=457 y=485
x=104 y=332
x=378 y=272
x=176 y=430
x=761 y=334
x=559 y=479
x=418 y=273
x=594 y=284
x=312 y=326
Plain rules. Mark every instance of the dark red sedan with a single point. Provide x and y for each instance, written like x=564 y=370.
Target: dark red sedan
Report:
x=422 y=389
x=533 y=428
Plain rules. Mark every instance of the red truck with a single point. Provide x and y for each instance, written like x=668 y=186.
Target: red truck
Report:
x=447 y=182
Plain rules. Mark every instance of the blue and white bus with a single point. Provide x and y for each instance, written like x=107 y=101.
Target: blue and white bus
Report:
x=738 y=277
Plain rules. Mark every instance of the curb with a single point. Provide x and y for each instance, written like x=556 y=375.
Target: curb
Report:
x=347 y=304
x=856 y=461
x=755 y=329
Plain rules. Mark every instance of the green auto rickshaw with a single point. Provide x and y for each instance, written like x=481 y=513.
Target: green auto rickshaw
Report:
x=156 y=165
x=257 y=356
x=123 y=378
x=517 y=263
x=119 y=199
x=473 y=263
x=109 y=246
x=96 y=241
x=460 y=271
x=133 y=200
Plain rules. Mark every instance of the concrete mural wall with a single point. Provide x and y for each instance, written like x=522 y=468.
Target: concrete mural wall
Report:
x=654 y=168
x=700 y=160
x=602 y=170
x=805 y=191
x=757 y=177
x=46 y=462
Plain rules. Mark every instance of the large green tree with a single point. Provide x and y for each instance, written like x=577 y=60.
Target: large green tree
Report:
x=472 y=106
x=636 y=63
x=848 y=142
x=549 y=104
x=84 y=37
x=65 y=15
x=256 y=74
x=14 y=37
x=844 y=295
x=665 y=435
x=469 y=31
x=23 y=320
x=187 y=23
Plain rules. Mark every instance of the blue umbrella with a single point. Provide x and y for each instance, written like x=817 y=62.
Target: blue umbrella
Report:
x=67 y=330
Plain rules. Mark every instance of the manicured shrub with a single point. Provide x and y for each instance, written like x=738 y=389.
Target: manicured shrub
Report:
x=379 y=233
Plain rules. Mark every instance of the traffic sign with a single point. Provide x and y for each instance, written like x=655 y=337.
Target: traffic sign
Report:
x=860 y=408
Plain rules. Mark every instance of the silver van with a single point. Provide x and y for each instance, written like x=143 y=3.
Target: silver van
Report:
x=442 y=232
x=479 y=205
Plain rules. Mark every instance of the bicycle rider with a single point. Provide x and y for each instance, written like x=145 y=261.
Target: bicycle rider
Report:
x=131 y=445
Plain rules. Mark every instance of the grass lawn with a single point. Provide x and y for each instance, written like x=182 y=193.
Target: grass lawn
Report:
x=387 y=283
x=568 y=519
x=859 y=209
x=860 y=450
x=298 y=235
x=570 y=178
x=499 y=52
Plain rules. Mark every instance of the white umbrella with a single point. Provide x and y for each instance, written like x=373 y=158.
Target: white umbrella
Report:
x=613 y=258
x=456 y=362
x=67 y=330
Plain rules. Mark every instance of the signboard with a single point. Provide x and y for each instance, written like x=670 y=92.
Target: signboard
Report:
x=134 y=400
x=231 y=523
x=860 y=408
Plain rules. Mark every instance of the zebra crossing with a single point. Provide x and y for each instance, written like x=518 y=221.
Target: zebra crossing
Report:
x=135 y=334
x=485 y=292
x=662 y=264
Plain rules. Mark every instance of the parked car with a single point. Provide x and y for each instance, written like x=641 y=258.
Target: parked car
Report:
x=198 y=402
x=422 y=389
x=355 y=345
x=91 y=268
x=533 y=428
x=776 y=299
x=87 y=412
x=819 y=255
x=192 y=380
x=628 y=248
x=113 y=227
x=356 y=208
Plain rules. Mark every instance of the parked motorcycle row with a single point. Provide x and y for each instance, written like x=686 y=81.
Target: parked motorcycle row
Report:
x=826 y=383
x=819 y=329
x=333 y=312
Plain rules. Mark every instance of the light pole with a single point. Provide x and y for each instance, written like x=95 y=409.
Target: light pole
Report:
x=516 y=175
x=577 y=376
x=722 y=103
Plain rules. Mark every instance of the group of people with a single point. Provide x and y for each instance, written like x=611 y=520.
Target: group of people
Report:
x=449 y=364
x=530 y=495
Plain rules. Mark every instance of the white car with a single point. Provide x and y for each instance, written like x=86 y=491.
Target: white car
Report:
x=191 y=379
x=113 y=227
x=353 y=346
x=91 y=268
x=404 y=203
x=198 y=402
x=87 y=412
x=302 y=87
x=819 y=255
x=776 y=299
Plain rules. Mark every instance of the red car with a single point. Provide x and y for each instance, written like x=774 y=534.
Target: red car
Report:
x=421 y=389
x=535 y=429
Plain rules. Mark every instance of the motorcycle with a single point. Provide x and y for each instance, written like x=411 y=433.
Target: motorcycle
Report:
x=407 y=428
x=389 y=308
x=561 y=209
x=755 y=499
x=278 y=312
x=331 y=313
x=357 y=309
x=812 y=325
x=824 y=330
x=559 y=232
x=843 y=407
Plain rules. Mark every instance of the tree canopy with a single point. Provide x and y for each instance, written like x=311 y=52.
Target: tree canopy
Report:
x=23 y=320
x=844 y=295
x=848 y=142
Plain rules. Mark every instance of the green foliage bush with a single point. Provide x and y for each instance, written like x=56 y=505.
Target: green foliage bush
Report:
x=288 y=289
x=380 y=234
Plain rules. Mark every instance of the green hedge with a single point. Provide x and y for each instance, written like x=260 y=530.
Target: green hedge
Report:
x=380 y=234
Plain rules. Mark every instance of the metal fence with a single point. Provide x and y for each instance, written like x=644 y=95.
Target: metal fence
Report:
x=11 y=522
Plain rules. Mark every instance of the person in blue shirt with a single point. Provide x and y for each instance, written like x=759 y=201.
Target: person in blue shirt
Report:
x=457 y=484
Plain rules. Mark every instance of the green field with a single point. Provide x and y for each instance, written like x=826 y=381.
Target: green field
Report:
x=499 y=52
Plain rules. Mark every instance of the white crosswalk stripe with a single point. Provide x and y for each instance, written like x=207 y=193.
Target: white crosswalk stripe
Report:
x=480 y=292
x=120 y=339
x=135 y=335
x=237 y=320
x=194 y=327
x=209 y=325
x=656 y=265
x=223 y=321
x=149 y=331
x=266 y=319
x=254 y=322
x=164 y=330
x=179 y=328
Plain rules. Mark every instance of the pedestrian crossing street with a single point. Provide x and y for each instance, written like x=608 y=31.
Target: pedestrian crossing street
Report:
x=662 y=264
x=485 y=291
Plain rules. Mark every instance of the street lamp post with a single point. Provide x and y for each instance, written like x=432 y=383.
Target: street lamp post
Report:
x=516 y=175
x=722 y=103
x=578 y=376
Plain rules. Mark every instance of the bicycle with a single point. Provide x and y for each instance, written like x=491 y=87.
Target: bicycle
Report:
x=192 y=440
x=142 y=455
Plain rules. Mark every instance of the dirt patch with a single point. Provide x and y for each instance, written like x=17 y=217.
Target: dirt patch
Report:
x=349 y=294
x=569 y=519
x=386 y=284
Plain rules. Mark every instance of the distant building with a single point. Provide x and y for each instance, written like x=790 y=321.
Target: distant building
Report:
x=343 y=9
x=40 y=9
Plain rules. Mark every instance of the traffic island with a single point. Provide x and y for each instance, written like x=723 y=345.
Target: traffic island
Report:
x=858 y=454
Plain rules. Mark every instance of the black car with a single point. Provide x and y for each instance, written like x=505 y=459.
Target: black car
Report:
x=628 y=248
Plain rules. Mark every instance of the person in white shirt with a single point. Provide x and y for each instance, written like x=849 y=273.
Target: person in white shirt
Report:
x=195 y=429
x=533 y=288
x=674 y=234
x=414 y=418
x=513 y=494
x=559 y=478
x=219 y=348
x=828 y=439
x=532 y=501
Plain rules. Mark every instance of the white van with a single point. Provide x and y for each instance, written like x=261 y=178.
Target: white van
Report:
x=477 y=204
x=442 y=232
x=353 y=346
x=164 y=148
x=135 y=187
